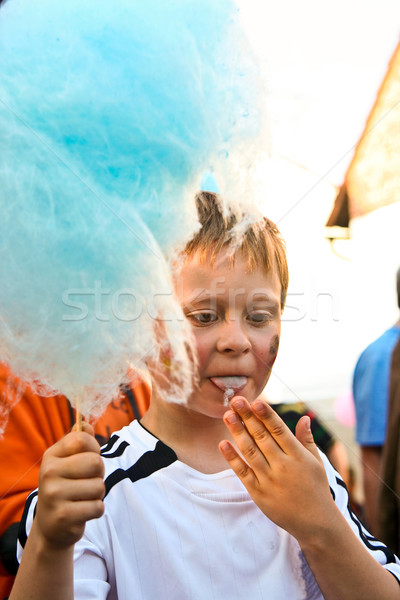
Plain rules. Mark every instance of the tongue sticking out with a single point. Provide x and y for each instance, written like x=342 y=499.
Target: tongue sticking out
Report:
x=229 y=385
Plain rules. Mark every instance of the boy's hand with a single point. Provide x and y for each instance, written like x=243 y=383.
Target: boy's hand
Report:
x=71 y=488
x=283 y=474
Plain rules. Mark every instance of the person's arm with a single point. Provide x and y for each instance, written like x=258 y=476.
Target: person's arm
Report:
x=304 y=507
x=46 y=571
x=371 y=458
x=71 y=489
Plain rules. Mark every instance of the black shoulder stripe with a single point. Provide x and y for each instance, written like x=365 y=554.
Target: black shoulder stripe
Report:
x=111 y=442
x=162 y=456
x=367 y=539
x=117 y=452
x=22 y=537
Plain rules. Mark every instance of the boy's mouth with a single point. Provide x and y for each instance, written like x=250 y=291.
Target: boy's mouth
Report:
x=230 y=382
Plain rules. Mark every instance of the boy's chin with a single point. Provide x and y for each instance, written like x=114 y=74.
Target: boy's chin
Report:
x=208 y=406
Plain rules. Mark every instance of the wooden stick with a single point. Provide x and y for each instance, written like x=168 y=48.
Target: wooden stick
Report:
x=78 y=414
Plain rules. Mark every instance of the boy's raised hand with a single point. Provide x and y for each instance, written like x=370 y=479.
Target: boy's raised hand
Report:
x=283 y=474
x=71 y=488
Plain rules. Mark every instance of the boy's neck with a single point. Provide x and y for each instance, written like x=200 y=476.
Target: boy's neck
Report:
x=194 y=438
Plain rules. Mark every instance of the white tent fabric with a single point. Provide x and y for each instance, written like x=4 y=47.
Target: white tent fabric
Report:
x=324 y=66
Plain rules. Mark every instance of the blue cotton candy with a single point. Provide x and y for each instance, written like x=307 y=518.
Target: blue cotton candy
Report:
x=110 y=113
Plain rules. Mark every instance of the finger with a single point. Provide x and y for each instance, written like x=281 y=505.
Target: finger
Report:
x=305 y=436
x=256 y=428
x=75 y=442
x=279 y=431
x=237 y=464
x=248 y=448
x=80 y=512
x=82 y=466
x=88 y=509
x=82 y=490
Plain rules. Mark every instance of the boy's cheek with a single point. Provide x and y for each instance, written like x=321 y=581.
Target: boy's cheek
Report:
x=274 y=345
x=202 y=342
x=271 y=361
x=271 y=351
x=202 y=353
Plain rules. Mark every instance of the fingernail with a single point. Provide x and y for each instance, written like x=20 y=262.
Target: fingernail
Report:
x=225 y=446
x=237 y=404
x=232 y=417
x=258 y=406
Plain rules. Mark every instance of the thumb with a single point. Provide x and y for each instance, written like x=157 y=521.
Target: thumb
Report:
x=305 y=436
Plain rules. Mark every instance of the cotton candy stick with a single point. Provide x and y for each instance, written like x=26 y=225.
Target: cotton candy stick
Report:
x=78 y=417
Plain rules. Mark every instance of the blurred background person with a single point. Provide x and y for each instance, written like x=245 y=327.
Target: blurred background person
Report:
x=389 y=489
x=371 y=397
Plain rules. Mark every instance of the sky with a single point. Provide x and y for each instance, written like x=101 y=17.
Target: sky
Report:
x=323 y=64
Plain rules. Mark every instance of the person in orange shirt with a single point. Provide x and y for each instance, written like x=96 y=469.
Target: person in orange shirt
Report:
x=35 y=424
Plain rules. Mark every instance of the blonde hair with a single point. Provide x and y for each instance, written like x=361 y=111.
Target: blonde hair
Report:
x=258 y=239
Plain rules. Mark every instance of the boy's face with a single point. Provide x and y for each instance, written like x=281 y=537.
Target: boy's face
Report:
x=236 y=320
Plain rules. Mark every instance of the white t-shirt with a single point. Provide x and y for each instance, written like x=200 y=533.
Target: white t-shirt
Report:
x=174 y=533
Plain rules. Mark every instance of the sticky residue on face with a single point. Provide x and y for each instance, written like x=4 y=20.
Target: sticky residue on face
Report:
x=228 y=395
x=273 y=349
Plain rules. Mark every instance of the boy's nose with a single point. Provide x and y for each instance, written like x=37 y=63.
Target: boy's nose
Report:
x=233 y=338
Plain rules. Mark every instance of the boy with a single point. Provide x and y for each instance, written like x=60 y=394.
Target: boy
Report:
x=176 y=522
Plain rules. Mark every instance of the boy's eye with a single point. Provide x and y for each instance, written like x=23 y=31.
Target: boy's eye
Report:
x=202 y=318
x=259 y=318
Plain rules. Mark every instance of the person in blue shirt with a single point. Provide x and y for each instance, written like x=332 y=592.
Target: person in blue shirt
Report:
x=371 y=392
